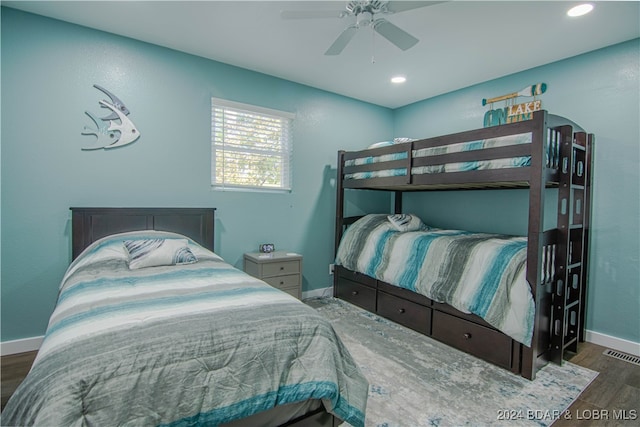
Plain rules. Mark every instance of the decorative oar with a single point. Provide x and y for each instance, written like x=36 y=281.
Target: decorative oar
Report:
x=533 y=90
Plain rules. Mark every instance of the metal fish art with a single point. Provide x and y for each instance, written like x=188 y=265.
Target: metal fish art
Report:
x=128 y=131
x=115 y=101
x=104 y=136
x=112 y=131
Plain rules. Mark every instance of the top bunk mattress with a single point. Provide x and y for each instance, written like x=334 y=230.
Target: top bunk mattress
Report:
x=456 y=166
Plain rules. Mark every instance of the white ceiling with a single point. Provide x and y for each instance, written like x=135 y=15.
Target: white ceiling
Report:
x=461 y=42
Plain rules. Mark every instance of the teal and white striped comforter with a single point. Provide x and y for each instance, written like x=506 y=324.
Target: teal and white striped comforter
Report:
x=196 y=344
x=477 y=273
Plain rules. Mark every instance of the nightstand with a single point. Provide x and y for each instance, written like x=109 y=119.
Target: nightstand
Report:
x=280 y=269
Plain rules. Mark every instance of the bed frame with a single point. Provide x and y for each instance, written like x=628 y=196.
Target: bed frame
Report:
x=558 y=286
x=90 y=224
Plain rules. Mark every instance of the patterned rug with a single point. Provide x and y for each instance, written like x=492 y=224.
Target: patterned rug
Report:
x=417 y=381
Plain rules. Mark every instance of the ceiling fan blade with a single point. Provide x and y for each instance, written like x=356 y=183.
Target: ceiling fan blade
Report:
x=341 y=42
x=311 y=14
x=401 y=6
x=394 y=34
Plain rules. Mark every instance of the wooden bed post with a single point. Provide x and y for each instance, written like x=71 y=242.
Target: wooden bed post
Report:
x=587 y=233
x=537 y=187
x=339 y=212
x=339 y=202
x=397 y=199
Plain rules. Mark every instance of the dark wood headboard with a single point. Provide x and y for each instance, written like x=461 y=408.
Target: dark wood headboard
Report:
x=91 y=224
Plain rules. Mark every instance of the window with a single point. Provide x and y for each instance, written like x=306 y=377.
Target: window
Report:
x=251 y=147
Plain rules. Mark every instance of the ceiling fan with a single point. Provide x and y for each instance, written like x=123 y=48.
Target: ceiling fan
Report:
x=367 y=14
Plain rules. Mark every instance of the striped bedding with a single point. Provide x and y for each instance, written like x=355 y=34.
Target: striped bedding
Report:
x=376 y=159
x=503 y=141
x=477 y=273
x=194 y=344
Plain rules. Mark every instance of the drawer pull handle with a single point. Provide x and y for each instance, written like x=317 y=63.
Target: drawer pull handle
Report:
x=467 y=336
x=354 y=293
x=282 y=267
x=401 y=310
x=282 y=282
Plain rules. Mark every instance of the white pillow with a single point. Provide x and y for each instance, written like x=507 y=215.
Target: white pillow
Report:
x=381 y=144
x=156 y=252
x=406 y=222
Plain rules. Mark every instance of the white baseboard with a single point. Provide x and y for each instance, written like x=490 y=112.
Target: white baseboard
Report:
x=20 y=346
x=613 y=343
x=318 y=293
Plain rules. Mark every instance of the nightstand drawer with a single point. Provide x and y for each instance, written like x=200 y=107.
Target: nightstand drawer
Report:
x=283 y=281
x=280 y=268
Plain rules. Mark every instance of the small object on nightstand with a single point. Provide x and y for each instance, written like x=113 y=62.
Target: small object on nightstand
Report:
x=280 y=269
x=267 y=248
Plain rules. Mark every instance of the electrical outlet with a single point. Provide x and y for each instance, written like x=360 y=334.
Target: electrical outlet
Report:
x=331 y=267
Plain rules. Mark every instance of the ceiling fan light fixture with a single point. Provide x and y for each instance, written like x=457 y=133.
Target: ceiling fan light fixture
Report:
x=366 y=13
x=364 y=19
x=398 y=79
x=581 y=9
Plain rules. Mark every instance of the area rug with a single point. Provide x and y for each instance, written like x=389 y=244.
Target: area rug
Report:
x=417 y=381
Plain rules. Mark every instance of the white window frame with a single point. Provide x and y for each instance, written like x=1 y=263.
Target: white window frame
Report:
x=282 y=150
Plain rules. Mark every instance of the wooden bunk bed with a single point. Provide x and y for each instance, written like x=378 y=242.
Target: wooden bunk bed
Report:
x=559 y=154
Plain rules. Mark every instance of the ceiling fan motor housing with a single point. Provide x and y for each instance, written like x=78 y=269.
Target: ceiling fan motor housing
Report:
x=357 y=7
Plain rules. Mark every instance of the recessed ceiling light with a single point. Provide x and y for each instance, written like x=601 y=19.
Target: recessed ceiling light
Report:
x=580 y=10
x=398 y=79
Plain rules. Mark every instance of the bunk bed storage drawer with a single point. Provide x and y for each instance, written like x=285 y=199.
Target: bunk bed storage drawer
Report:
x=407 y=313
x=478 y=340
x=360 y=293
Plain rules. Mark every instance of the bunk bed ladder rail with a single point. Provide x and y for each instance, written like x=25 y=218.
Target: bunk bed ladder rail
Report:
x=570 y=281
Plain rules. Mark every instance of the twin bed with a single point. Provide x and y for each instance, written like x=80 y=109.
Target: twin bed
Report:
x=151 y=327
x=517 y=302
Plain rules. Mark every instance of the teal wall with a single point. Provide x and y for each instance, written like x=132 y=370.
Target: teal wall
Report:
x=48 y=70
x=600 y=91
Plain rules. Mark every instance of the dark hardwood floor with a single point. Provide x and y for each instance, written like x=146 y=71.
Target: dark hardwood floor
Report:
x=13 y=369
x=613 y=395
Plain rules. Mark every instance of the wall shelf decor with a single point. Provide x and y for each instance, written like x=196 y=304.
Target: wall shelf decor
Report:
x=513 y=112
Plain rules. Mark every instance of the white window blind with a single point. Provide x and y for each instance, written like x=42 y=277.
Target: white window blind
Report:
x=251 y=147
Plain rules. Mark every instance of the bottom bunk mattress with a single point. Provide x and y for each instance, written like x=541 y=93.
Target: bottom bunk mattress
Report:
x=479 y=273
x=196 y=342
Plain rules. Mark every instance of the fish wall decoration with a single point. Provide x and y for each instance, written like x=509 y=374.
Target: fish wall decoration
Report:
x=114 y=130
